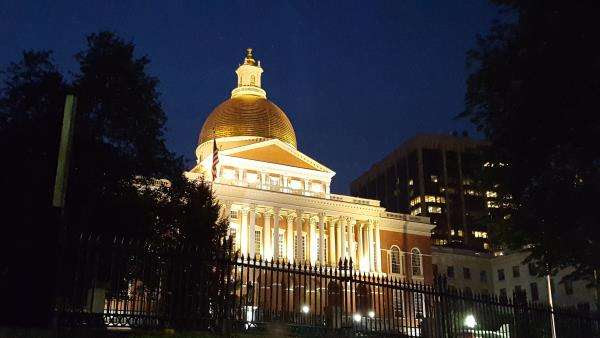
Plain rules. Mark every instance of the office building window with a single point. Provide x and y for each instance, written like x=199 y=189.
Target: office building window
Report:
x=516 y=271
x=467 y=273
x=533 y=290
x=568 y=287
x=483 y=276
x=434 y=209
x=501 y=274
x=450 y=272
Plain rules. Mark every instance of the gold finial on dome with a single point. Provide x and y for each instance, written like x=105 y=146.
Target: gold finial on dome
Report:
x=249 y=60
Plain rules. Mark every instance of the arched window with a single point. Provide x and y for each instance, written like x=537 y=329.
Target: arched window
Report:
x=395 y=263
x=252 y=80
x=415 y=262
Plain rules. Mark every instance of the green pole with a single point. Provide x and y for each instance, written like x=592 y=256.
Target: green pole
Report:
x=66 y=139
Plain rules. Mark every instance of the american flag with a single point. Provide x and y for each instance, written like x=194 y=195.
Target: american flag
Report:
x=215 y=159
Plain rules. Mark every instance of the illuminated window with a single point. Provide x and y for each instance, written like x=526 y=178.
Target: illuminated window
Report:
x=251 y=177
x=295 y=184
x=429 y=198
x=434 y=178
x=300 y=255
x=397 y=303
x=395 y=262
x=410 y=182
x=281 y=246
x=479 y=234
x=486 y=246
x=233 y=214
x=416 y=212
x=434 y=209
x=460 y=233
x=440 y=200
x=492 y=204
x=490 y=193
x=228 y=174
x=452 y=232
x=316 y=187
x=415 y=201
x=257 y=241
x=415 y=262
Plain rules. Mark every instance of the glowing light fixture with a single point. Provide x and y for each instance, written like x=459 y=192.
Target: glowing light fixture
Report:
x=357 y=317
x=470 y=321
x=305 y=309
x=371 y=314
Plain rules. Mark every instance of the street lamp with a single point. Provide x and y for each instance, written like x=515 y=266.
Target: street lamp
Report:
x=371 y=314
x=470 y=321
x=357 y=317
x=305 y=309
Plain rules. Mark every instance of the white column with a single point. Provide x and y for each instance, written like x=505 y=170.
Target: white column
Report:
x=299 y=257
x=377 y=247
x=251 y=231
x=244 y=232
x=344 y=237
x=267 y=248
x=240 y=175
x=338 y=243
x=276 y=253
x=351 y=245
x=289 y=238
x=332 y=239
x=360 y=246
x=371 y=249
x=322 y=238
x=313 y=241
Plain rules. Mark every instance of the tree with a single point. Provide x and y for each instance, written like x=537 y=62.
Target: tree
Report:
x=534 y=91
x=118 y=156
x=32 y=95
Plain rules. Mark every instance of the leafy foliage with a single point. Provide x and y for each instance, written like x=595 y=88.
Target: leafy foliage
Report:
x=535 y=92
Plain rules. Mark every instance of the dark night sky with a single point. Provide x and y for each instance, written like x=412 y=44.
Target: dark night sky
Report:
x=355 y=79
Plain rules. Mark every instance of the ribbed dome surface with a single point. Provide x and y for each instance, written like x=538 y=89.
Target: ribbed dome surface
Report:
x=248 y=115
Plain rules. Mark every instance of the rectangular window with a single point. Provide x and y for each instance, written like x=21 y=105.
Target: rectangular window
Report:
x=416 y=212
x=568 y=287
x=501 y=275
x=533 y=289
x=418 y=304
x=503 y=294
x=434 y=209
x=257 y=242
x=531 y=268
x=274 y=180
x=319 y=247
x=467 y=273
x=232 y=235
x=491 y=194
x=282 y=253
x=397 y=303
x=516 y=271
x=483 y=276
x=300 y=256
x=450 y=272
x=233 y=214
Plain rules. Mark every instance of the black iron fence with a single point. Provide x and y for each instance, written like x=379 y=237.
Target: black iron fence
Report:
x=141 y=285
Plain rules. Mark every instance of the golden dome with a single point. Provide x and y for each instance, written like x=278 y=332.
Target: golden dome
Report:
x=248 y=115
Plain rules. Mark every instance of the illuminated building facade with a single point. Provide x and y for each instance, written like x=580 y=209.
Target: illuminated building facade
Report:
x=278 y=200
x=432 y=175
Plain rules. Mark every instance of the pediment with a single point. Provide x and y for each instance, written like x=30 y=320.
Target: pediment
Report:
x=277 y=152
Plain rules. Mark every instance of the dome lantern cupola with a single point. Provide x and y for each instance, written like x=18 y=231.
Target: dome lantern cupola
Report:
x=249 y=74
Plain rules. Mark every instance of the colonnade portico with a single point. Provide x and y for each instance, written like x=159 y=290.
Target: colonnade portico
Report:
x=298 y=236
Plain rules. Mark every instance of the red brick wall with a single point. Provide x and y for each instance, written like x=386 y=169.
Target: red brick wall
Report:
x=406 y=243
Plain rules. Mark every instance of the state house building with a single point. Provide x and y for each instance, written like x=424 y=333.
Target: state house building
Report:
x=278 y=199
